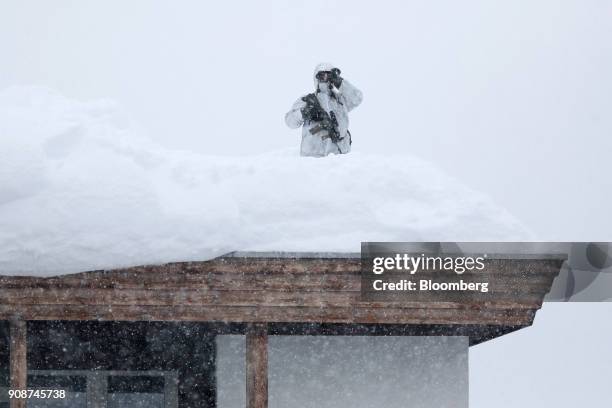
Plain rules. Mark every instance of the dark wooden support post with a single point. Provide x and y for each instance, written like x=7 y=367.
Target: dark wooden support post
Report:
x=257 y=366
x=18 y=366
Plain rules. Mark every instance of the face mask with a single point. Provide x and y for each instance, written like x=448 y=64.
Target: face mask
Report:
x=324 y=88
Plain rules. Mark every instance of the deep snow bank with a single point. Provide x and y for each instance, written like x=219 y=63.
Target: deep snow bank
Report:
x=81 y=188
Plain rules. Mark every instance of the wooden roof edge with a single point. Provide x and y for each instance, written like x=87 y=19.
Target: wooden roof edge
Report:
x=285 y=255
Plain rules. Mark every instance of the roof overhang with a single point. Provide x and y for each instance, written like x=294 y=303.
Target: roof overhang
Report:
x=293 y=293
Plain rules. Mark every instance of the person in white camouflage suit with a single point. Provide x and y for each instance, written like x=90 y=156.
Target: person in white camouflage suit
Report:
x=323 y=114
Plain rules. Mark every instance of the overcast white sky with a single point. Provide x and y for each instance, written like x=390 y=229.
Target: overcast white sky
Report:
x=562 y=361
x=513 y=98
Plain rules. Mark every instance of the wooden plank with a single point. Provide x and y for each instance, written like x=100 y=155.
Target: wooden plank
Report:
x=18 y=360
x=262 y=281
x=172 y=297
x=425 y=314
x=211 y=281
x=269 y=283
x=257 y=366
x=222 y=272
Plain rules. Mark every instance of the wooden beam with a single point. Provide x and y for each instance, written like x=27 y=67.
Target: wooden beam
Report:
x=18 y=364
x=360 y=313
x=257 y=366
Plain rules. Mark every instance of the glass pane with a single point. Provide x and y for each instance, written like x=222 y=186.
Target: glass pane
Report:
x=148 y=353
x=135 y=391
x=72 y=400
x=75 y=387
x=365 y=372
x=76 y=383
x=231 y=371
x=135 y=400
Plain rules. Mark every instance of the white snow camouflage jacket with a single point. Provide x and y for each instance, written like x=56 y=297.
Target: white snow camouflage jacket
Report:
x=341 y=104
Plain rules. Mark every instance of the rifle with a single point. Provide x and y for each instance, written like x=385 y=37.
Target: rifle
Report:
x=329 y=122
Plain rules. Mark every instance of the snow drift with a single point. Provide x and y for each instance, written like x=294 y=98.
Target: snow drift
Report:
x=82 y=188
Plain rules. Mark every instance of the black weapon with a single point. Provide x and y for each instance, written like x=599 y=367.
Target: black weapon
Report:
x=330 y=125
x=329 y=122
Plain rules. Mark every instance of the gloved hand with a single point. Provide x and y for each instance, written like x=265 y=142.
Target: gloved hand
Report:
x=312 y=113
x=326 y=123
x=336 y=79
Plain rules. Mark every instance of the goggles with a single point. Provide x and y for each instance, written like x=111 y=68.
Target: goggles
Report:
x=324 y=76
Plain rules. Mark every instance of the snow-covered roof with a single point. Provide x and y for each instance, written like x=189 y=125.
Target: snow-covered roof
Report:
x=82 y=188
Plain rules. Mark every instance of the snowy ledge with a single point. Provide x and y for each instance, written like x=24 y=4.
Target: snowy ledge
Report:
x=493 y=250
